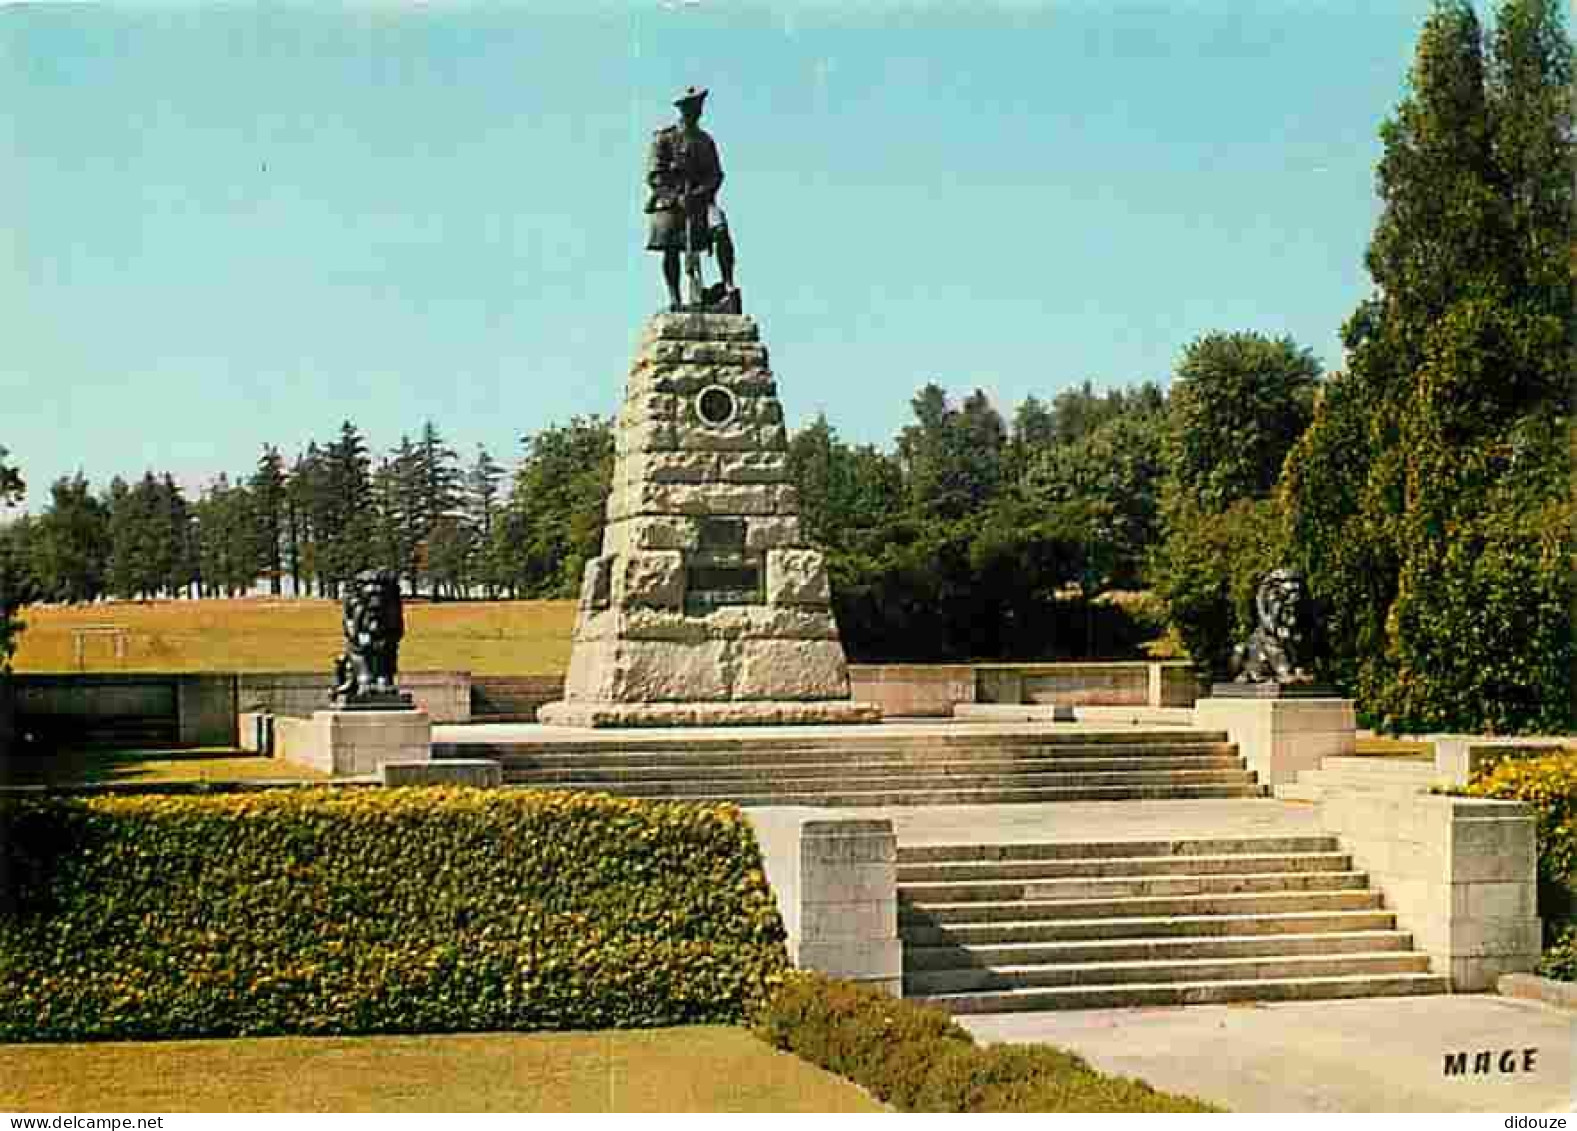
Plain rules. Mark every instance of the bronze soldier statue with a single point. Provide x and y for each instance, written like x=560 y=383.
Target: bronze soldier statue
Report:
x=684 y=173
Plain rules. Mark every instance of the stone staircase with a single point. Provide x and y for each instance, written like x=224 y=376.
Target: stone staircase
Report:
x=1411 y=775
x=867 y=767
x=992 y=928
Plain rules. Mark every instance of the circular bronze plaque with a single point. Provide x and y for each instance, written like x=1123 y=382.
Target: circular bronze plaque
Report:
x=716 y=405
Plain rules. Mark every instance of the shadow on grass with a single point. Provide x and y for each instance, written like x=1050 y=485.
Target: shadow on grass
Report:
x=96 y=765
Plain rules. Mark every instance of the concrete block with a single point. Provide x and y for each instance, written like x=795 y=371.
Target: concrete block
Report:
x=1496 y=937
x=1492 y=850
x=862 y=920
x=1494 y=900
x=841 y=882
x=860 y=959
x=1472 y=974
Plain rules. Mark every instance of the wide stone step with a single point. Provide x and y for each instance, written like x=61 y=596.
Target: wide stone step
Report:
x=745 y=741
x=1124 y=887
x=960 y=871
x=1128 y=849
x=1298 y=966
x=858 y=779
x=1014 y=932
x=1186 y=993
x=1139 y=907
x=994 y=955
x=664 y=770
x=1080 y=755
x=837 y=796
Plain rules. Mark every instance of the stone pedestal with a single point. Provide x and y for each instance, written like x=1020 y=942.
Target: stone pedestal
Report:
x=835 y=881
x=706 y=605
x=1278 y=737
x=354 y=743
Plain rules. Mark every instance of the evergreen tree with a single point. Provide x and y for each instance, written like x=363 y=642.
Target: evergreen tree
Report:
x=437 y=492
x=1428 y=501
x=69 y=548
x=481 y=492
x=269 y=514
x=347 y=542
x=11 y=568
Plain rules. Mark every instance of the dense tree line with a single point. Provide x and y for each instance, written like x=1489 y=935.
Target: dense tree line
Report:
x=1424 y=490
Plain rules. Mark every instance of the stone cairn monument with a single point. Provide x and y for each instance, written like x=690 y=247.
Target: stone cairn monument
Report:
x=706 y=605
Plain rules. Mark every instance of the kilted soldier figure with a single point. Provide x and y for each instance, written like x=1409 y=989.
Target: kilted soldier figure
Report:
x=684 y=174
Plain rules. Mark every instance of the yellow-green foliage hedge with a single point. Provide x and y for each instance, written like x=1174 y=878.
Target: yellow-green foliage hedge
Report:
x=916 y=1058
x=415 y=910
x=1547 y=781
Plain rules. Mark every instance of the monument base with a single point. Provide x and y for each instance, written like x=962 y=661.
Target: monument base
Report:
x=703 y=713
x=1273 y=691
x=1279 y=737
x=377 y=701
x=352 y=743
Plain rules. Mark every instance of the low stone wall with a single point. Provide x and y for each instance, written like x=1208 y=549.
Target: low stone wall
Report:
x=836 y=883
x=1459 y=872
x=1459 y=756
x=444 y=695
x=912 y=690
x=513 y=697
x=1116 y=684
x=189 y=710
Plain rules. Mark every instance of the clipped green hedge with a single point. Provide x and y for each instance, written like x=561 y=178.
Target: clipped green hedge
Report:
x=413 y=910
x=916 y=1058
x=1547 y=781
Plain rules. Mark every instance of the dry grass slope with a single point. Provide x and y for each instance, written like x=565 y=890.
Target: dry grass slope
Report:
x=264 y=634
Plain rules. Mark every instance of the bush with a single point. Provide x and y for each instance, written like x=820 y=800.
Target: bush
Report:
x=916 y=1058
x=1547 y=782
x=1208 y=571
x=416 y=910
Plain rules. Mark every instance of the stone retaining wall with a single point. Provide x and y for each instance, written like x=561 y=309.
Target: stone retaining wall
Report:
x=1459 y=872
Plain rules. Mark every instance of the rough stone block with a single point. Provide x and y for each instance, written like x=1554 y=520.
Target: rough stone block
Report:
x=770 y=533
x=647 y=671
x=649 y=577
x=791 y=669
x=797 y=577
x=697 y=325
x=596 y=584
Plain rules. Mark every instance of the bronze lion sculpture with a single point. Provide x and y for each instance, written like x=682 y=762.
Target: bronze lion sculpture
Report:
x=374 y=625
x=1281 y=647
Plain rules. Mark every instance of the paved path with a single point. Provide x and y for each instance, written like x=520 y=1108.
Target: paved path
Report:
x=1365 y=1055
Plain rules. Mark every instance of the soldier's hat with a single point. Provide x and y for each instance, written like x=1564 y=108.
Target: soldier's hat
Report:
x=695 y=94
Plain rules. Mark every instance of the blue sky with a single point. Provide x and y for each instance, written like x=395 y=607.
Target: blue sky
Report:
x=231 y=225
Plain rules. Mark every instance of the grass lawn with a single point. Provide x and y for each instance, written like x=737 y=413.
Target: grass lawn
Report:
x=1380 y=747
x=90 y=765
x=705 y=1068
x=265 y=634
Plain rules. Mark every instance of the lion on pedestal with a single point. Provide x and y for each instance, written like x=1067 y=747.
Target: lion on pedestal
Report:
x=1281 y=648
x=374 y=625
